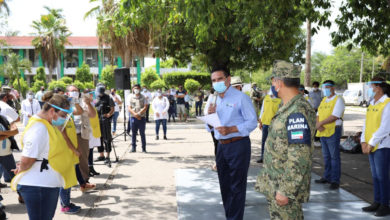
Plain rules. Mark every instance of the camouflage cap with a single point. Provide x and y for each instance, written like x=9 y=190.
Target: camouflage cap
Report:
x=283 y=69
x=235 y=81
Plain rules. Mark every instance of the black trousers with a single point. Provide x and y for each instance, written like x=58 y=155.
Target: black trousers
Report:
x=147 y=113
x=106 y=138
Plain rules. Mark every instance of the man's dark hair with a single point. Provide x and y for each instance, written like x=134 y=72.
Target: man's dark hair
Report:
x=137 y=85
x=292 y=82
x=2 y=95
x=384 y=86
x=329 y=81
x=224 y=69
x=58 y=89
x=315 y=83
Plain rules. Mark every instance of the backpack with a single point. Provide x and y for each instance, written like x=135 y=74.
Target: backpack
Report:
x=352 y=144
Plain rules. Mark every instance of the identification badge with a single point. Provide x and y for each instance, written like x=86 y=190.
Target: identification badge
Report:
x=298 y=130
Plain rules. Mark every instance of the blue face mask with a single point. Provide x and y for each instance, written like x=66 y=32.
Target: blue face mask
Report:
x=59 y=122
x=370 y=92
x=220 y=87
x=274 y=92
x=326 y=92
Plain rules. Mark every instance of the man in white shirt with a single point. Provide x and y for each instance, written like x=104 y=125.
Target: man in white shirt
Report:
x=148 y=96
x=30 y=106
x=6 y=110
x=118 y=102
x=39 y=95
x=329 y=129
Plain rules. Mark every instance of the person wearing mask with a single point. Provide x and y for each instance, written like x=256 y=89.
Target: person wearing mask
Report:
x=160 y=107
x=375 y=141
x=181 y=107
x=118 y=102
x=187 y=101
x=7 y=159
x=286 y=173
x=305 y=93
x=39 y=95
x=30 y=106
x=46 y=163
x=137 y=107
x=199 y=96
x=237 y=83
x=105 y=107
x=172 y=108
x=329 y=127
x=148 y=96
x=270 y=106
x=315 y=96
x=238 y=119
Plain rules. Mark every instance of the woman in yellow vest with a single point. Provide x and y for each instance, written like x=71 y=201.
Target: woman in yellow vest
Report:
x=329 y=128
x=46 y=164
x=268 y=110
x=376 y=143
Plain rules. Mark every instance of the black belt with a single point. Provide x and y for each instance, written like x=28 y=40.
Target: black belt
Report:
x=230 y=140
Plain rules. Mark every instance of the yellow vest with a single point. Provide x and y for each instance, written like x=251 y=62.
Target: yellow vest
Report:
x=95 y=126
x=270 y=108
x=324 y=111
x=60 y=156
x=373 y=120
x=72 y=134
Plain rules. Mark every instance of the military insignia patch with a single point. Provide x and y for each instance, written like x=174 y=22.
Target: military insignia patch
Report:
x=298 y=129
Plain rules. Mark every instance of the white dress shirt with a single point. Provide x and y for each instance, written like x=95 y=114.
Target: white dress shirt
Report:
x=160 y=106
x=382 y=135
x=29 y=108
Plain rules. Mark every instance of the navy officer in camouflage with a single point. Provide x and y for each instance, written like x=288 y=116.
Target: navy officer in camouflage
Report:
x=285 y=176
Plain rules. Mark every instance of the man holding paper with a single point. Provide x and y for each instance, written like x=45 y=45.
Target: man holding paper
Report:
x=237 y=118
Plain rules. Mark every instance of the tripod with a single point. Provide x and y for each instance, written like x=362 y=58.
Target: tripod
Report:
x=106 y=133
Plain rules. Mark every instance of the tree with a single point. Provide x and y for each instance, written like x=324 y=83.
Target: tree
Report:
x=40 y=75
x=67 y=80
x=365 y=23
x=83 y=73
x=191 y=85
x=107 y=77
x=148 y=77
x=51 y=37
x=158 y=84
x=22 y=85
x=57 y=84
x=37 y=85
x=13 y=66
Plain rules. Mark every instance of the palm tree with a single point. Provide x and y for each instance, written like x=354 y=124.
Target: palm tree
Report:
x=14 y=65
x=52 y=35
x=4 y=6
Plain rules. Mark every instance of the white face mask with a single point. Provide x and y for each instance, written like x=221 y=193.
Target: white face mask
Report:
x=30 y=97
x=74 y=94
x=136 y=91
x=159 y=94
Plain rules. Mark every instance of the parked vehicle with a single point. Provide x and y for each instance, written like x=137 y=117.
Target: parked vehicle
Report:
x=356 y=94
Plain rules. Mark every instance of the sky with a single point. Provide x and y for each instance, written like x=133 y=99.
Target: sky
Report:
x=23 y=12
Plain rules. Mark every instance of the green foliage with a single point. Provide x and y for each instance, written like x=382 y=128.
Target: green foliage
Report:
x=83 y=73
x=148 y=77
x=158 y=84
x=171 y=63
x=262 y=78
x=89 y=85
x=365 y=23
x=37 y=85
x=57 y=84
x=191 y=85
x=41 y=75
x=23 y=86
x=179 y=78
x=79 y=85
x=107 y=76
x=67 y=80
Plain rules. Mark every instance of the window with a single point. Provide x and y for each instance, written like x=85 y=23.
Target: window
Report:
x=91 y=57
x=34 y=58
x=71 y=59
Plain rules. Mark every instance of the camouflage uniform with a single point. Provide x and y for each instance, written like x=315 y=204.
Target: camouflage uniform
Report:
x=288 y=155
x=255 y=94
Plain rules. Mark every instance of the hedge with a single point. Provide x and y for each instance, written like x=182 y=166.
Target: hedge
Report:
x=158 y=84
x=179 y=78
x=191 y=85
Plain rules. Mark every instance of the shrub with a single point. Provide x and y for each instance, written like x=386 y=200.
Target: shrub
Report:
x=107 y=76
x=158 y=84
x=40 y=75
x=83 y=73
x=57 y=84
x=179 y=78
x=79 y=85
x=191 y=85
x=148 y=77
x=67 y=80
x=37 y=85
x=89 y=85
x=23 y=86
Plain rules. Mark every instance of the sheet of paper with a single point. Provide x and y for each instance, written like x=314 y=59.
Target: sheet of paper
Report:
x=211 y=119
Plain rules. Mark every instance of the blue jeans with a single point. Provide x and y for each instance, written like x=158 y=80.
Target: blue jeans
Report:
x=380 y=167
x=41 y=202
x=164 y=125
x=129 y=124
x=135 y=126
x=114 y=120
x=198 y=105
x=233 y=164
x=331 y=154
x=65 y=197
x=264 y=136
